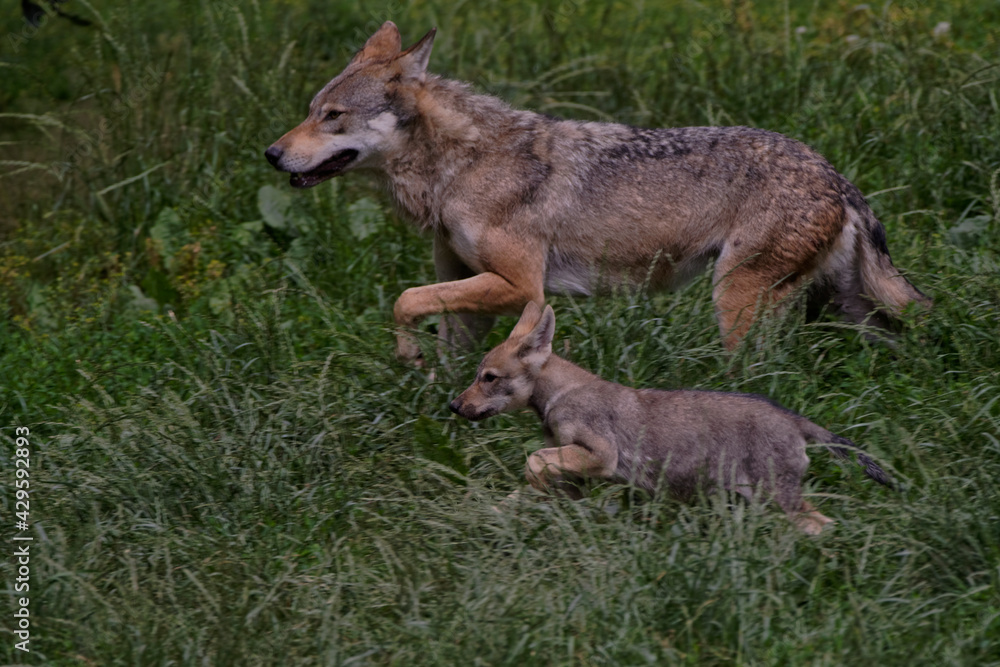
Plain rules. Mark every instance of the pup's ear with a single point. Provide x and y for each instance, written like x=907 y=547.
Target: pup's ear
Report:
x=529 y=318
x=536 y=347
x=413 y=61
x=382 y=45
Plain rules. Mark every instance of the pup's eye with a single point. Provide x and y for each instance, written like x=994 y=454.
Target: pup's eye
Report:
x=489 y=377
x=333 y=115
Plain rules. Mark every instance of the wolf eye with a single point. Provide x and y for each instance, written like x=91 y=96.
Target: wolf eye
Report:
x=333 y=115
x=489 y=377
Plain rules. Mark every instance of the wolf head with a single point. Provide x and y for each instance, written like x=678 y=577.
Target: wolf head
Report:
x=507 y=375
x=355 y=120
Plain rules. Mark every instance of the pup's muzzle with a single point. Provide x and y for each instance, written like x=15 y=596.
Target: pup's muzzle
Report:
x=470 y=411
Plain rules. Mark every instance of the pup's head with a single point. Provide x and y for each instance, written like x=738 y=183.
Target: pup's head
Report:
x=507 y=375
x=356 y=119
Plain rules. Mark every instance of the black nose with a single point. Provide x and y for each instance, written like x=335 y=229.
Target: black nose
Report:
x=273 y=154
x=455 y=406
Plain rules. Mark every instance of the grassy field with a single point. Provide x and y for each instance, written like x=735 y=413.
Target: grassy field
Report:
x=230 y=468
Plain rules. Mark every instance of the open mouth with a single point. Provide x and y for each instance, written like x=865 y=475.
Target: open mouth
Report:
x=480 y=415
x=327 y=169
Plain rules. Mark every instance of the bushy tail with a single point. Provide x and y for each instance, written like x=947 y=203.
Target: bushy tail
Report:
x=880 y=279
x=872 y=469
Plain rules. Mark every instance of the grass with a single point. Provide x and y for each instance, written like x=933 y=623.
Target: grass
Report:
x=230 y=468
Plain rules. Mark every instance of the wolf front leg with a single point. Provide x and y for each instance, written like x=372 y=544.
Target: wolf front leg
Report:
x=457 y=332
x=557 y=468
x=514 y=277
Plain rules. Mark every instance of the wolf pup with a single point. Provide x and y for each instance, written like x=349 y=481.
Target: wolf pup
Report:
x=522 y=204
x=688 y=439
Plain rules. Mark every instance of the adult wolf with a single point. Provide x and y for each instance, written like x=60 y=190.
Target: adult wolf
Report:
x=521 y=204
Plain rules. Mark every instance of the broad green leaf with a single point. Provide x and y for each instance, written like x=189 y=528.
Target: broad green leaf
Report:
x=274 y=205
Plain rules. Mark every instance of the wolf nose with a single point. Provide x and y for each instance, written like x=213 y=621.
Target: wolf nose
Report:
x=273 y=154
x=455 y=406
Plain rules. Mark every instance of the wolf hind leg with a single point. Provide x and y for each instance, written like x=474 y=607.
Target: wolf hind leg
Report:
x=782 y=482
x=800 y=511
x=742 y=291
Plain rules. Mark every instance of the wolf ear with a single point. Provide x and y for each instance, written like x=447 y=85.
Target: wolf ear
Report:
x=413 y=61
x=536 y=346
x=382 y=45
x=529 y=318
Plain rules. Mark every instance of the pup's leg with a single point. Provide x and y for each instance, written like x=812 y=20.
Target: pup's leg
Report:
x=805 y=517
x=555 y=468
x=809 y=520
x=788 y=495
x=789 y=466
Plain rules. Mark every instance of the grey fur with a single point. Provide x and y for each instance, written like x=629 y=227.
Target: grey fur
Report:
x=685 y=439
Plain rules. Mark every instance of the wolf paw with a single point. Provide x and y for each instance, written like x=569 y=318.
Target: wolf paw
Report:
x=408 y=351
x=813 y=523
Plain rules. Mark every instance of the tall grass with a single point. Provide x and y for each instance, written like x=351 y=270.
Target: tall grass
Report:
x=234 y=470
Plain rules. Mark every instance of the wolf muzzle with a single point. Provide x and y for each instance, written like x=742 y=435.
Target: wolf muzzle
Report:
x=273 y=154
x=470 y=412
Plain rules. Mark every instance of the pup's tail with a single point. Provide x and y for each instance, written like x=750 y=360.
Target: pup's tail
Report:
x=880 y=279
x=872 y=469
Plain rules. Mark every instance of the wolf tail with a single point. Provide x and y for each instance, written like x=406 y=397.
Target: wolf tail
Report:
x=843 y=452
x=880 y=280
